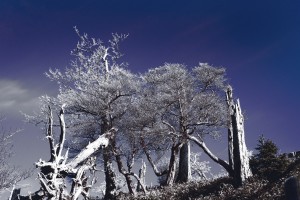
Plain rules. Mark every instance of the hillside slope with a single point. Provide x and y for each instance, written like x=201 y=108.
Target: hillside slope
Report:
x=222 y=188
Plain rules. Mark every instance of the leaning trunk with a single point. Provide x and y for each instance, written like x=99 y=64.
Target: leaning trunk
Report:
x=126 y=174
x=129 y=183
x=184 y=172
x=206 y=150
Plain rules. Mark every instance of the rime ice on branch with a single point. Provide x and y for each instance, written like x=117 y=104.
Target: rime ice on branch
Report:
x=53 y=173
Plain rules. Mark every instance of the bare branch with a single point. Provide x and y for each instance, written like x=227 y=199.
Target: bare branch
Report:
x=102 y=141
x=154 y=167
x=62 y=132
x=203 y=146
x=50 y=135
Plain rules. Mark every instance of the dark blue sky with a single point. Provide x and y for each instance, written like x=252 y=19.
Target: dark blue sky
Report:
x=257 y=41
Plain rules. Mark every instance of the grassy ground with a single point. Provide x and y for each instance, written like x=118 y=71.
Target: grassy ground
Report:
x=222 y=188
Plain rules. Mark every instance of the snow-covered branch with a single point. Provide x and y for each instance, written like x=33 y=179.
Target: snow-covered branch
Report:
x=54 y=171
x=218 y=160
x=91 y=148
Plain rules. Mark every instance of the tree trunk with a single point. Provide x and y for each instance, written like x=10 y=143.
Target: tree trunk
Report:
x=125 y=174
x=110 y=177
x=154 y=167
x=14 y=193
x=184 y=172
x=230 y=150
x=230 y=105
x=241 y=157
x=238 y=151
x=142 y=174
x=172 y=165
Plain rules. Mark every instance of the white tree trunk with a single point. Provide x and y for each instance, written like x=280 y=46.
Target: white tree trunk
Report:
x=241 y=156
x=184 y=172
x=102 y=141
x=238 y=152
x=172 y=165
x=142 y=175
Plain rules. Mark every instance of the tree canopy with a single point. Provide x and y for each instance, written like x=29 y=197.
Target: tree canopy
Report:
x=154 y=114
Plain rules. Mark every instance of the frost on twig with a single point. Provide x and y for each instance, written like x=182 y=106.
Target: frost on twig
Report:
x=54 y=172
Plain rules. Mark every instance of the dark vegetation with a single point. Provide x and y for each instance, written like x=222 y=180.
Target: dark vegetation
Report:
x=270 y=170
x=267 y=163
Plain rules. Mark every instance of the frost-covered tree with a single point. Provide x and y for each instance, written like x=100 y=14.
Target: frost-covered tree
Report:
x=55 y=172
x=185 y=106
x=158 y=113
x=200 y=169
x=97 y=91
x=9 y=174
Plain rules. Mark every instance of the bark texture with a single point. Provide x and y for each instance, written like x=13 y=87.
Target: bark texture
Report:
x=184 y=172
x=110 y=176
x=142 y=176
x=238 y=152
x=172 y=164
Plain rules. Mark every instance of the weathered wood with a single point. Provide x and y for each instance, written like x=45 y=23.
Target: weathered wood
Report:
x=50 y=135
x=238 y=152
x=102 y=141
x=53 y=173
x=230 y=105
x=142 y=174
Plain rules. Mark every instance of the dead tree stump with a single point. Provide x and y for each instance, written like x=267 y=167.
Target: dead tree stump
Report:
x=237 y=149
